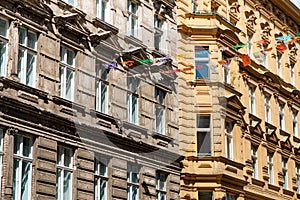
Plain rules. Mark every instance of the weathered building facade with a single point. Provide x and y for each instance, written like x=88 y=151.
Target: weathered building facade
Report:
x=239 y=104
x=82 y=116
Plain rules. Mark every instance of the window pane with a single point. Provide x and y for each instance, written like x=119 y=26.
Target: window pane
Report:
x=203 y=121
x=1 y=140
x=3 y=27
x=22 y=36
x=26 y=179
x=134 y=193
x=27 y=147
x=67 y=185
x=32 y=40
x=67 y=157
x=15 y=178
x=159 y=113
x=20 y=63
x=70 y=57
x=103 y=169
x=16 y=144
x=204 y=143
x=103 y=190
x=69 y=84
x=134 y=109
x=202 y=70
x=205 y=196
x=103 y=98
x=201 y=52
x=30 y=69
x=134 y=177
x=58 y=184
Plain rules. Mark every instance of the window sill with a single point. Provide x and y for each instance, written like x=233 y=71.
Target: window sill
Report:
x=274 y=187
x=105 y=25
x=288 y=192
x=162 y=137
x=135 y=41
x=258 y=182
x=68 y=104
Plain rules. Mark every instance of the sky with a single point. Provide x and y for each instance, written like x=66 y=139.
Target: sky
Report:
x=296 y=2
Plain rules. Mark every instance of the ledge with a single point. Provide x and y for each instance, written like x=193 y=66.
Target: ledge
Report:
x=258 y=182
x=288 y=192
x=162 y=137
x=273 y=187
x=217 y=159
x=104 y=25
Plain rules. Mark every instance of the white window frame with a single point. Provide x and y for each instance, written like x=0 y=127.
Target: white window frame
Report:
x=270 y=167
x=205 y=131
x=285 y=173
x=28 y=51
x=159 y=34
x=103 y=10
x=160 y=125
x=292 y=73
x=254 y=161
x=249 y=40
x=3 y=50
x=278 y=62
x=267 y=99
x=66 y=67
x=101 y=179
x=102 y=88
x=131 y=185
x=295 y=122
x=61 y=165
x=132 y=29
x=20 y=158
x=229 y=140
x=161 y=186
x=281 y=116
x=132 y=100
x=265 y=57
x=194 y=6
x=203 y=60
x=226 y=69
x=251 y=90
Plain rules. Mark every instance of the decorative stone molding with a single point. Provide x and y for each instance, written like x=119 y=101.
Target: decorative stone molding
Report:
x=251 y=19
x=266 y=31
x=12 y=131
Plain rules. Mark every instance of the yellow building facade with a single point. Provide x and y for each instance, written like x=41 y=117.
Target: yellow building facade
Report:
x=239 y=99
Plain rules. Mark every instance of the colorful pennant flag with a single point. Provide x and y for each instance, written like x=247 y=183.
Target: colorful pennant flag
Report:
x=109 y=66
x=284 y=38
x=129 y=63
x=281 y=47
x=239 y=46
x=298 y=34
x=246 y=60
x=222 y=62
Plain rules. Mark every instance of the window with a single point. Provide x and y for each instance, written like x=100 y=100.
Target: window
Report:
x=64 y=173
x=265 y=56
x=101 y=179
x=159 y=42
x=281 y=116
x=22 y=177
x=132 y=183
x=101 y=87
x=103 y=10
x=228 y=140
x=67 y=69
x=203 y=135
x=194 y=6
x=203 y=195
x=285 y=173
x=161 y=191
x=71 y=2
x=3 y=46
x=201 y=62
x=160 y=118
x=1 y=154
x=298 y=177
x=267 y=108
x=226 y=69
x=27 y=56
x=295 y=123
x=230 y=197
x=249 y=40
x=252 y=100
x=270 y=167
x=132 y=18
x=132 y=100
x=292 y=73
x=278 y=61
x=254 y=161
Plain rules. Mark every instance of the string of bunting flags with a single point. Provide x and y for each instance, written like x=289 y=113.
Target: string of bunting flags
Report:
x=260 y=55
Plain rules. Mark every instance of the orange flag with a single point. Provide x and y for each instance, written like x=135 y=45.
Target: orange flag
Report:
x=281 y=47
x=222 y=62
x=246 y=60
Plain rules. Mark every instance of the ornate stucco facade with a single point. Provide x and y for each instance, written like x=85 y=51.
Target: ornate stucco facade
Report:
x=238 y=121
x=79 y=118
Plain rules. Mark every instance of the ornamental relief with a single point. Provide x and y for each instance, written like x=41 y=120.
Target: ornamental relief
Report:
x=251 y=19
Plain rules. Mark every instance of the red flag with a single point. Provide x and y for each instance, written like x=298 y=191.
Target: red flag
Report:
x=262 y=42
x=281 y=47
x=199 y=66
x=269 y=49
x=177 y=70
x=246 y=60
x=222 y=62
